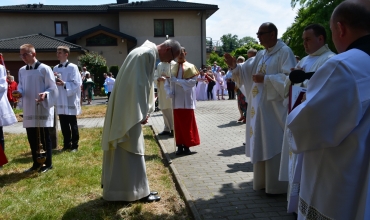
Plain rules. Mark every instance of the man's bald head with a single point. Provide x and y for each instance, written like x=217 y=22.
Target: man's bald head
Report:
x=349 y=21
x=355 y=14
x=271 y=27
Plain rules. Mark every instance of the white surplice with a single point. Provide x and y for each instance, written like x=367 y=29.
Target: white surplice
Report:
x=332 y=129
x=68 y=102
x=132 y=99
x=182 y=91
x=31 y=83
x=266 y=113
x=291 y=163
x=7 y=116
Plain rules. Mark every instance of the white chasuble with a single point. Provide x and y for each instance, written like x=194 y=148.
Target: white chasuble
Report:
x=31 y=83
x=266 y=113
x=163 y=70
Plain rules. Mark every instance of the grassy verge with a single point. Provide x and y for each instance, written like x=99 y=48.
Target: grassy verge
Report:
x=91 y=111
x=72 y=189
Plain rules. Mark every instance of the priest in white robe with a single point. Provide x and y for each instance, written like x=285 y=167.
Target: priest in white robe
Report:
x=162 y=73
x=331 y=127
x=38 y=93
x=132 y=100
x=181 y=88
x=266 y=113
x=68 y=102
x=314 y=38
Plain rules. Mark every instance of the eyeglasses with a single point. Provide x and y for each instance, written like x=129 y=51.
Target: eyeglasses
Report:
x=24 y=55
x=262 y=33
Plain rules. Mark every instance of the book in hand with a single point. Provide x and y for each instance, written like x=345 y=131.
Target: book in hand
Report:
x=295 y=96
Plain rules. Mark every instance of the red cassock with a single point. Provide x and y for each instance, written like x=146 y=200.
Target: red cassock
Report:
x=186 y=130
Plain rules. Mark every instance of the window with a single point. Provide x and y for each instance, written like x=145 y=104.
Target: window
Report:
x=61 y=28
x=163 y=27
x=101 y=40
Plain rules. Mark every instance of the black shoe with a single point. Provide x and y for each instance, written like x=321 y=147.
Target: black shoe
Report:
x=171 y=134
x=45 y=169
x=151 y=198
x=153 y=193
x=187 y=151
x=165 y=133
x=180 y=150
x=31 y=170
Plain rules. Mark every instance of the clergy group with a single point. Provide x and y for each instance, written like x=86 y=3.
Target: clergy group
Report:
x=308 y=132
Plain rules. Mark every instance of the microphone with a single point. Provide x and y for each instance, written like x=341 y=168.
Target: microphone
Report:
x=299 y=76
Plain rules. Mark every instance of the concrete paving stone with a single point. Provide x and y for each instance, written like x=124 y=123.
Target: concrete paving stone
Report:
x=291 y=217
x=231 y=208
x=266 y=214
x=224 y=214
x=241 y=217
x=283 y=204
x=249 y=210
x=275 y=209
x=256 y=205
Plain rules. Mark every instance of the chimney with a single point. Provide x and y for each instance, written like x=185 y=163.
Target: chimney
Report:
x=122 y=1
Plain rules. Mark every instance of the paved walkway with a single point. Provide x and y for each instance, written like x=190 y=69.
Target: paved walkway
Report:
x=217 y=179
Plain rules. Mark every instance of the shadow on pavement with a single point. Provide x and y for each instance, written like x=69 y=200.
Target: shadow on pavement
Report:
x=231 y=124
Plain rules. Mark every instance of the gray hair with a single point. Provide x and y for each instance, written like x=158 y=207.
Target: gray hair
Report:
x=174 y=44
x=252 y=50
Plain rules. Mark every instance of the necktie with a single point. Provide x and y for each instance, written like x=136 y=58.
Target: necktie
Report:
x=60 y=65
x=31 y=68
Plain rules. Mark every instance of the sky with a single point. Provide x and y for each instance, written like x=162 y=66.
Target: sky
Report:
x=237 y=17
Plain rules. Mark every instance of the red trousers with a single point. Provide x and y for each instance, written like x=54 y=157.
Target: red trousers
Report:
x=186 y=130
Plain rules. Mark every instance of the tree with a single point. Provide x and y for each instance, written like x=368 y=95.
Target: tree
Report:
x=229 y=42
x=246 y=40
x=242 y=51
x=312 y=11
x=93 y=61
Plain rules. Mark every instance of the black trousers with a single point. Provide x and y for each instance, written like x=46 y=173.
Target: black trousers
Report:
x=231 y=93
x=68 y=124
x=209 y=90
x=33 y=140
x=2 y=138
x=108 y=94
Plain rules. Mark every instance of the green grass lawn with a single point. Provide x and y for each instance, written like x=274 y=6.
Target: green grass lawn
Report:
x=72 y=190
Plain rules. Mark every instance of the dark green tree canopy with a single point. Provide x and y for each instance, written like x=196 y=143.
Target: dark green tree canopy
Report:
x=311 y=12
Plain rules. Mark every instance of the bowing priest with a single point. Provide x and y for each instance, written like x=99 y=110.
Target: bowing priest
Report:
x=266 y=114
x=314 y=42
x=68 y=80
x=331 y=127
x=132 y=100
x=165 y=104
x=181 y=88
x=38 y=93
